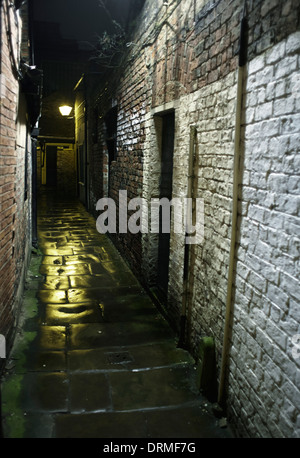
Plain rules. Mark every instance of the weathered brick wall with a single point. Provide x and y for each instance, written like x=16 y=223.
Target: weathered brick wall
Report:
x=126 y=172
x=264 y=375
x=192 y=73
x=98 y=158
x=266 y=318
x=15 y=227
x=184 y=57
x=66 y=170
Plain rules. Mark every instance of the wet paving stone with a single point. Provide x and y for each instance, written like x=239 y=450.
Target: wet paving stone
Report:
x=78 y=269
x=45 y=392
x=89 y=359
x=118 y=273
x=139 y=389
x=56 y=260
x=71 y=314
x=183 y=423
x=107 y=255
x=101 y=425
x=57 y=282
x=129 y=307
x=142 y=357
x=80 y=295
x=85 y=295
x=96 y=358
x=118 y=334
x=62 y=251
x=50 y=296
x=157 y=355
x=57 y=233
x=89 y=392
x=84 y=239
x=81 y=259
x=68 y=245
x=79 y=231
x=102 y=292
x=88 y=336
x=53 y=240
x=48 y=361
x=52 y=338
x=48 y=245
x=188 y=422
x=88 y=281
x=125 y=279
x=85 y=250
x=94 y=242
x=108 y=268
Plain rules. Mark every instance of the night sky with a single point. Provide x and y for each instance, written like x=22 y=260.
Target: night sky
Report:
x=82 y=20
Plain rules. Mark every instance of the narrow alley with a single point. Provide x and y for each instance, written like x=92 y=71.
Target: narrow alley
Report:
x=149 y=219
x=93 y=356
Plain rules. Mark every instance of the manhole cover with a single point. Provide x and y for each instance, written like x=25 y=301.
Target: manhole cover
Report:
x=119 y=357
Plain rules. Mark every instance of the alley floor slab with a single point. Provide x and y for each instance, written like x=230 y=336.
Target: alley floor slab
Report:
x=93 y=356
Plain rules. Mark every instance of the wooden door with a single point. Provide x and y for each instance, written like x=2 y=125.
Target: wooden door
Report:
x=167 y=150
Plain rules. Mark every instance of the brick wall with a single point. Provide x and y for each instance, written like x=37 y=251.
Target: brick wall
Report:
x=184 y=57
x=266 y=316
x=66 y=170
x=98 y=181
x=15 y=159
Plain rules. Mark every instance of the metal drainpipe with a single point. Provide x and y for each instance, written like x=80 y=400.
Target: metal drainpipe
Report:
x=33 y=139
x=228 y=316
x=86 y=143
x=34 y=193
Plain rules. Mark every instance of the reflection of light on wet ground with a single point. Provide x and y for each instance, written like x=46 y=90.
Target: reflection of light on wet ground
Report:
x=102 y=361
x=102 y=308
x=79 y=269
x=70 y=314
x=57 y=282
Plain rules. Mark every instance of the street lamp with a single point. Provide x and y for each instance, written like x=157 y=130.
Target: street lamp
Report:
x=65 y=110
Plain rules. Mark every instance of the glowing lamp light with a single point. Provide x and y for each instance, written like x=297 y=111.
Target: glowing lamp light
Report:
x=65 y=110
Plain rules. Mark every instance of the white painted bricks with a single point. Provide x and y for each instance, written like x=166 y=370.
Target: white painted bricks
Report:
x=267 y=281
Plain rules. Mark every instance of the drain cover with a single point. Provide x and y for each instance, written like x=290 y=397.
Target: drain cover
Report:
x=119 y=357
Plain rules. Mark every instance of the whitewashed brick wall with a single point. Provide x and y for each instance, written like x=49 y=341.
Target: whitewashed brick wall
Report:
x=264 y=374
x=264 y=378
x=212 y=111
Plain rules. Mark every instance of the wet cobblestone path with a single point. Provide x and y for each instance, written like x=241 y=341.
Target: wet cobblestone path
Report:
x=93 y=357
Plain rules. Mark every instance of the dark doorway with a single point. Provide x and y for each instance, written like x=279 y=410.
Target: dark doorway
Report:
x=81 y=174
x=111 y=122
x=167 y=150
x=51 y=164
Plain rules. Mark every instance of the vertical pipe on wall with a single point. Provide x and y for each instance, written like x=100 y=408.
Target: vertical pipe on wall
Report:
x=34 y=192
x=237 y=144
x=34 y=133
x=86 y=157
x=30 y=31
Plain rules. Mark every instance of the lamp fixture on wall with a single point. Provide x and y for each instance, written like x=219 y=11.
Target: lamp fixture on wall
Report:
x=65 y=110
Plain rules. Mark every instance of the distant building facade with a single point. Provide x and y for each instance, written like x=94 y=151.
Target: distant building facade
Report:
x=62 y=63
